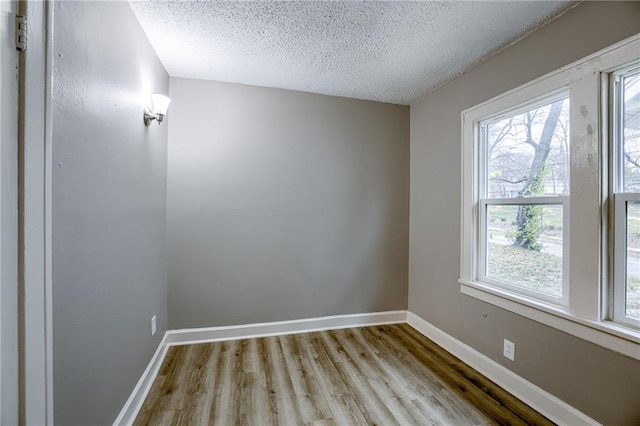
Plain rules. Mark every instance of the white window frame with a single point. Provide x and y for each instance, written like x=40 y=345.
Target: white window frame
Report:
x=586 y=312
x=483 y=201
x=620 y=199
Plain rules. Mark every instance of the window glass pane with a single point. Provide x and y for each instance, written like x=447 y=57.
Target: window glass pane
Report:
x=630 y=132
x=632 y=306
x=528 y=152
x=524 y=246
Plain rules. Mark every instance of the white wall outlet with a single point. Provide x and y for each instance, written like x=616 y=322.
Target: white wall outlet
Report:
x=509 y=350
x=154 y=328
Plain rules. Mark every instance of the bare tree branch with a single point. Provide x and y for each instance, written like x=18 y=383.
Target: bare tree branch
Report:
x=524 y=179
x=501 y=135
x=631 y=160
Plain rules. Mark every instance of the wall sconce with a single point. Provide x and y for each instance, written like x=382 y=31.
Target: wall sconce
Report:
x=158 y=109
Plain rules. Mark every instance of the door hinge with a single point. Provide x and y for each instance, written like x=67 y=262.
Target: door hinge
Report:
x=21 y=33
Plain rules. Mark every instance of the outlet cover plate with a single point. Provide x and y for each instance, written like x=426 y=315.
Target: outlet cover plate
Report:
x=509 y=350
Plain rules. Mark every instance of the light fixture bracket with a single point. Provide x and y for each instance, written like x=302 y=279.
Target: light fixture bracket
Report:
x=149 y=116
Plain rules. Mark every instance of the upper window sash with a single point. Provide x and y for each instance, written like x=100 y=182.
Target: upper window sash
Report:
x=616 y=103
x=503 y=141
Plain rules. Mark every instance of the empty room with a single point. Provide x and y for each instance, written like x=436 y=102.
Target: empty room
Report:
x=320 y=213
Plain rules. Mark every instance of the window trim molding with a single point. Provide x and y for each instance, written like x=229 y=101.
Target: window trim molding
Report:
x=587 y=315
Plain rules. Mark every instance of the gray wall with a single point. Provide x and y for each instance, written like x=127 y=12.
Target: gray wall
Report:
x=109 y=210
x=8 y=218
x=600 y=383
x=284 y=205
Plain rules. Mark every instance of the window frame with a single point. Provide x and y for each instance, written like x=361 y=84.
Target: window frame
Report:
x=621 y=198
x=587 y=313
x=484 y=201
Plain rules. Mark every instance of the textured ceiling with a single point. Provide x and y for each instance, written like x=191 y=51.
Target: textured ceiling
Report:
x=384 y=51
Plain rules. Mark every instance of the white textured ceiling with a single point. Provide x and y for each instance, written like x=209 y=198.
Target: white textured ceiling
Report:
x=384 y=51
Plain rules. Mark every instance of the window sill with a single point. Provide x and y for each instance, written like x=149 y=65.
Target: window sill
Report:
x=606 y=334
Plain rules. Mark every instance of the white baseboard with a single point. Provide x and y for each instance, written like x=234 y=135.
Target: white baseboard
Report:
x=214 y=334
x=548 y=405
x=277 y=328
x=134 y=403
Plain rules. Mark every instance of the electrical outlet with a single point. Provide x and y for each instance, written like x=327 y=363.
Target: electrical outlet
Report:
x=153 y=325
x=509 y=350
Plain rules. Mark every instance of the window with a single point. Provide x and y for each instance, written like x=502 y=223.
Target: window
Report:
x=550 y=220
x=524 y=188
x=625 y=115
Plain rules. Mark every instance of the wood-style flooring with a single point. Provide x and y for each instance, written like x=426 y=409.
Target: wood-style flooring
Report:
x=380 y=375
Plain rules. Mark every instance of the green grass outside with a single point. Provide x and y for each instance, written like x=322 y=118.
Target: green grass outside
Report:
x=633 y=296
x=530 y=269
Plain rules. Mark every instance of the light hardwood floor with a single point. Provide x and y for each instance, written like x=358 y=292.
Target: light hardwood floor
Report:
x=381 y=375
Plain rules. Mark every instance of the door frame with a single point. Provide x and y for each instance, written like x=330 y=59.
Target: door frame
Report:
x=35 y=165
x=9 y=354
